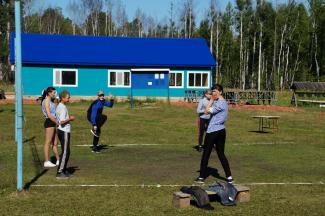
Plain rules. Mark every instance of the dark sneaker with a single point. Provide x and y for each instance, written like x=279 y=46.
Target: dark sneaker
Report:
x=230 y=180
x=68 y=174
x=61 y=176
x=200 y=148
x=96 y=150
x=94 y=133
x=199 y=180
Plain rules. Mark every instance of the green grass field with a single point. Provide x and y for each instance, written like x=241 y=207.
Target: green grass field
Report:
x=294 y=154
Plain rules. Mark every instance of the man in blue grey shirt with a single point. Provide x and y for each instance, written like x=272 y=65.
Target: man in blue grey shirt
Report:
x=216 y=133
x=203 y=120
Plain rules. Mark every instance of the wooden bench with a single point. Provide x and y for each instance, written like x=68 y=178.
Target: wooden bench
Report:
x=183 y=200
x=243 y=194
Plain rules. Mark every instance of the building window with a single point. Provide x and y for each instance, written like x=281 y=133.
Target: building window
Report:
x=159 y=76
x=119 y=78
x=198 y=79
x=65 y=77
x=176 y=79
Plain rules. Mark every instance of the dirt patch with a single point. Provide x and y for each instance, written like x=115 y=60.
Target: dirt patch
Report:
x=266 y=108
x=25 y=101
x=248 y=107
x=29 y=101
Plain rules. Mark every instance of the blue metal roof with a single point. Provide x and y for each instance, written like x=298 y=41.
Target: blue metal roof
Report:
x=113 y=51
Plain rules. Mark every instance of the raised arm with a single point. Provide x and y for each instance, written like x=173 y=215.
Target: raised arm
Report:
x=110 y=101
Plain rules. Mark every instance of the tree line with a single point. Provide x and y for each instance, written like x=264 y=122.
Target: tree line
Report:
x=257 y=45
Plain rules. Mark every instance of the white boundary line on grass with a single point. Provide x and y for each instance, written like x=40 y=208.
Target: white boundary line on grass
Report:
x=235 y=144
x=159 y=185
x=264 y=143
x=126 y=145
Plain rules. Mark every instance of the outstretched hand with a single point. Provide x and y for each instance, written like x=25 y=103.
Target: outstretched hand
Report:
x=72 y=118
x=110 y=97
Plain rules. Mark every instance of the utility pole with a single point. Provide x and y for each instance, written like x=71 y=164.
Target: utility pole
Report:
x=18 y=91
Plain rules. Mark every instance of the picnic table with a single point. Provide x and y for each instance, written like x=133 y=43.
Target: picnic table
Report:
x=265 y=121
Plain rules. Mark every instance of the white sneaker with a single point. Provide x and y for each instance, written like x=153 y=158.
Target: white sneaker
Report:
x=49 y=164
x=57 y=162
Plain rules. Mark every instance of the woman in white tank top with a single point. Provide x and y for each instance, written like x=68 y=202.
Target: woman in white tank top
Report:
x=48 y=109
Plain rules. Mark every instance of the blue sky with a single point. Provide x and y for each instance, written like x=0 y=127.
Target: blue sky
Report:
x=158 y=9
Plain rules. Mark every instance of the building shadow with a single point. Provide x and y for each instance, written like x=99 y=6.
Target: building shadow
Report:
x=39 y=171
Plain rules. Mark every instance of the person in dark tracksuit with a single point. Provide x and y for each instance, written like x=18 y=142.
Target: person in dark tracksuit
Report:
x=96 y=118
x=203 y=119
x=216 y=133
x=63 y=132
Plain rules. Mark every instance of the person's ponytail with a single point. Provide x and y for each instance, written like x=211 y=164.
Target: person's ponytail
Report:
x=43 y=96
x=45 y=92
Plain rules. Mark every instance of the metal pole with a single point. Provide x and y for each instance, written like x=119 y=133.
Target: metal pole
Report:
x=131 y=89
x=168 y=93
x=19 y=106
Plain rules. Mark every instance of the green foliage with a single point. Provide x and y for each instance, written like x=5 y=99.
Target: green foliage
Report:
x=292 y=35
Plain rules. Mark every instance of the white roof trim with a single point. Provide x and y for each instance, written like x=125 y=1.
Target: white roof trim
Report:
x=150 y=69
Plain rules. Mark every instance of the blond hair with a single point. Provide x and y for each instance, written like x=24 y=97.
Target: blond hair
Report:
x=63 y=94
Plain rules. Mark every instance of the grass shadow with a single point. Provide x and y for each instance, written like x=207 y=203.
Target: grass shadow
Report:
x=28 y=184
x=194 y=203
x=214 y=173
x=39 y=171
x=73 y=169
x=198 y=148
x=261 y=132
x=101 y=147
x=53 y=159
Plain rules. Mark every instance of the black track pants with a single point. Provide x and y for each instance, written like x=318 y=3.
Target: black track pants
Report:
x=100 y=121
x=217 y=140
x=64 y=138
x=203 y=125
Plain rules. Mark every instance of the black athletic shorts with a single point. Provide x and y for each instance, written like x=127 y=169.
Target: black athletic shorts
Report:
x=48 y=123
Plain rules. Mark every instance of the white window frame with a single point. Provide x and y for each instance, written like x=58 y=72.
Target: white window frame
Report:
x=177 y=72
x=64 y=85
x=118 y=86
x=197 y=87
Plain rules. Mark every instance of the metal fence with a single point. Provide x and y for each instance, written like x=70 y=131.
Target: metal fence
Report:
x=236 y=96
